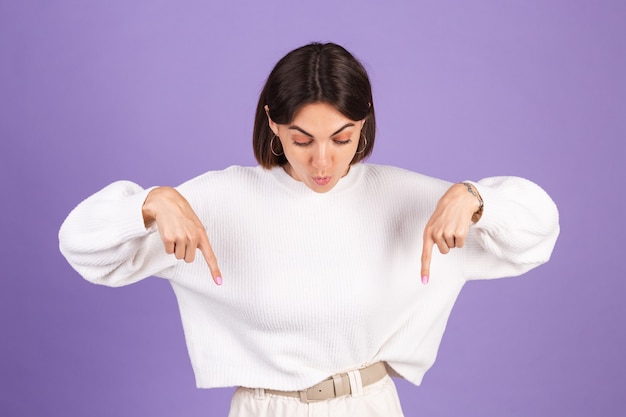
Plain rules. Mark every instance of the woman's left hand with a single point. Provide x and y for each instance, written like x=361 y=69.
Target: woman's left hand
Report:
x=449 y=224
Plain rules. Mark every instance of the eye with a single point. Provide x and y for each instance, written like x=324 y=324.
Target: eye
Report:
x=342 y=142
x=302 y=143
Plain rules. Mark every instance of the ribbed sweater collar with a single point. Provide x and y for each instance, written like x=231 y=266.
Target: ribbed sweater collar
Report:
x=347 y=182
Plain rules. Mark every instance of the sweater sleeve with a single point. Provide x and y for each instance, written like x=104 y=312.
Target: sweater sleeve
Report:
x=104 y=238
x=517 y=231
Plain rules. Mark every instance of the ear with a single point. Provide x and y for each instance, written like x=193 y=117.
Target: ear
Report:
x=273 y=125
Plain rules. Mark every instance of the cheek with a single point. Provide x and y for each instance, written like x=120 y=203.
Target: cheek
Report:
x=296 y=159
x=354 y=146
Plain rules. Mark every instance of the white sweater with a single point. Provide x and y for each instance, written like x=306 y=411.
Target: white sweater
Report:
x=314 y=284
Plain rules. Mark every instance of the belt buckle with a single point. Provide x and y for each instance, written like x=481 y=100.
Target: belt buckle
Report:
x=303 y=397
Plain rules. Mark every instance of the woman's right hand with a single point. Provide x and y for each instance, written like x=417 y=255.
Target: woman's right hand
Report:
x=180 y=229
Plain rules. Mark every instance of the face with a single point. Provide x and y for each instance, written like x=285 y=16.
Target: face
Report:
x=319 y=145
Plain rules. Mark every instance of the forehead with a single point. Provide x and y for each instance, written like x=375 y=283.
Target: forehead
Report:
x=320 y=116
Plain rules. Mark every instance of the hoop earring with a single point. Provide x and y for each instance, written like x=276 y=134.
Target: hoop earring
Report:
x=364 y=144
x=272 y=147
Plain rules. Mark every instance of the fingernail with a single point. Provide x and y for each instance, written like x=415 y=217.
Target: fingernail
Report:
x=425 y=279
x=218 y=280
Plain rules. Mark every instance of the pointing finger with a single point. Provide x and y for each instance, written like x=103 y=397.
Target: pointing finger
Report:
x=211 y=260
x=427 y=251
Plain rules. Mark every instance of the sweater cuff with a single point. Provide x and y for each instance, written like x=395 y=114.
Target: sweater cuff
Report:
x=513 y=202
x=123 y=210
x=495 y=213
x=130 y=215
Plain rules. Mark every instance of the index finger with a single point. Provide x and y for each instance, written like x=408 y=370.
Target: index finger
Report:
x=209 y=257
x=427 y=252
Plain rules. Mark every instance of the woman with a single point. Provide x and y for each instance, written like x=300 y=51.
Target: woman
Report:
x=320 y=255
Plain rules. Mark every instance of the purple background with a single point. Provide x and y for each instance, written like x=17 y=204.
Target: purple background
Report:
x=161 y=91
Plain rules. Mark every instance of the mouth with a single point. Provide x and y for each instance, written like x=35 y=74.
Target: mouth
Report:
x=321 y=181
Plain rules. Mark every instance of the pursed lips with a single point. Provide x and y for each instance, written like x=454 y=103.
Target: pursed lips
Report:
x=321 y=180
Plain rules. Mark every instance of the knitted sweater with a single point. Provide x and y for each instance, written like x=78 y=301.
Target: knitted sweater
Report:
x=314 y=283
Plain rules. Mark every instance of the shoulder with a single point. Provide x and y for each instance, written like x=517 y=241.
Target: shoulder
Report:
x=401 y=179
x=225 y=178
x=215 y=192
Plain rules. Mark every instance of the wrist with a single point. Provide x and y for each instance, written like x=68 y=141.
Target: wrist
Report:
x=479 y=211
x=148 y=211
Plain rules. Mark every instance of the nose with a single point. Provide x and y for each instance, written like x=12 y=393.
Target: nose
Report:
x=322 y=158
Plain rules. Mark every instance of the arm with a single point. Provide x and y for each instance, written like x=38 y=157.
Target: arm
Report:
x=111 y=239
x=516 y=231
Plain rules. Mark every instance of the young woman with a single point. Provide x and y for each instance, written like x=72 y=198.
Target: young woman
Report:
x=327 y=281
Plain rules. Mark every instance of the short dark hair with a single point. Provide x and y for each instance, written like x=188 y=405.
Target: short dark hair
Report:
x=313 y=73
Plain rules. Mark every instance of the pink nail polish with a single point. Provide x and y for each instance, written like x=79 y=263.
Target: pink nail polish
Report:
x=218 y=280
x=425 y=279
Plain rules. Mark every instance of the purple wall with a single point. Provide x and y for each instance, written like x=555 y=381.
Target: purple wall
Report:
x=160 y=91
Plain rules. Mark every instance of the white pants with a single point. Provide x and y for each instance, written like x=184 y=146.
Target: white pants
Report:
x=379 y=399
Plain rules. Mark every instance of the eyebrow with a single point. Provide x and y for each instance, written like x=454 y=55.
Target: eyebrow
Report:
x=299 y=129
